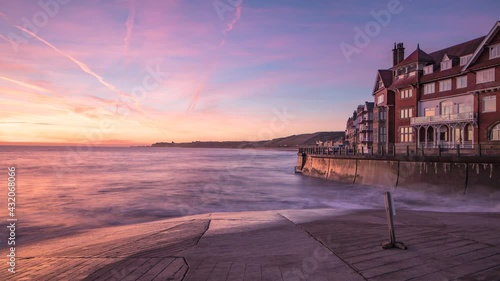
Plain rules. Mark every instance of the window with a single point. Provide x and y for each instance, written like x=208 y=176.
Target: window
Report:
x=495 y=132
x=429 y=111
x=445 y=85
x=382 y=135
x=465 y=59
x=429 y=88
x=445 y=65
x=380 y=99
x=446 y=107
x=406 y=93
x=489 y=104
x=406 y=134
x=382 y=115
x=484 y=76
x=461 y=82
x=406 y=113
x=495 y=51
x=464 y=108
x=428 y=69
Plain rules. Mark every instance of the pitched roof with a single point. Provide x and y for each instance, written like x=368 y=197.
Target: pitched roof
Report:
x=458 y=50
x=386 y=76
x=400 y=83
x=369 y=105
x=417 y=56
x=485 y=40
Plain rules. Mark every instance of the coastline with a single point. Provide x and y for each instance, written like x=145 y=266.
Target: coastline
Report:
x=327 y=244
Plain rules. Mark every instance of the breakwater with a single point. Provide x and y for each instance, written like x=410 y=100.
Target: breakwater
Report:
x=448 y=175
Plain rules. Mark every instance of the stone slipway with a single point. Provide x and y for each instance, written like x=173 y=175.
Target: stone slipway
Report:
x=321 y=244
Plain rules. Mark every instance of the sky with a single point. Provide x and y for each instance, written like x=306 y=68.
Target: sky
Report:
x=132 y=72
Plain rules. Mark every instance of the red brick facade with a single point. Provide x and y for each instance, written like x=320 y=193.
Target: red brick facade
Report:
x=447 y=98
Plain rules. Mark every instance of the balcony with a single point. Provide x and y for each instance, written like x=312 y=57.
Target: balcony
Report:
x=366 y=128
x=444 y=119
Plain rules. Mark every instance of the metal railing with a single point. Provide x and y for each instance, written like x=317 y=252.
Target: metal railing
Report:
x=447 y=118
x=401 y=149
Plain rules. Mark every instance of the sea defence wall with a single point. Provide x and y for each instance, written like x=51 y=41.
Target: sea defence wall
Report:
x=445 y=175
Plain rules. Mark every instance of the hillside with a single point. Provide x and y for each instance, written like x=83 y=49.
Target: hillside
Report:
x=290 y=141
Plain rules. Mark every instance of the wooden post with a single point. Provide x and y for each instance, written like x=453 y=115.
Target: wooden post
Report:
x=362 y=150
x=390 y=212
x=393 y=149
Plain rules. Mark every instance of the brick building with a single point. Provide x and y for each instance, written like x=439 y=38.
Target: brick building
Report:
x=444 y=98
x=359 y=128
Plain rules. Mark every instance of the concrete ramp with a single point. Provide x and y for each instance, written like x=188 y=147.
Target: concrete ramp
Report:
x=444 y=178
x=483 y=179
x=377 y=172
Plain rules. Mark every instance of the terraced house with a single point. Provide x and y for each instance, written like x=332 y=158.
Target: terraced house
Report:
x=444 y=98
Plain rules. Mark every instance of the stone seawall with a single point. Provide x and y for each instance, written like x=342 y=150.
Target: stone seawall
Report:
x=468 y=176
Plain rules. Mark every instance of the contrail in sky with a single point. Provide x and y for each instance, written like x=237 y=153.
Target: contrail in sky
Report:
x=129 y=24
x=27 y=85
x=229 y=27
x=85 y=68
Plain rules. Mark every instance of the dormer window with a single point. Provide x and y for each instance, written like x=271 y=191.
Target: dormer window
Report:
x=445 y=65
x=380 y=84
x=495 y=51
x=428 y=69
x=465 y=59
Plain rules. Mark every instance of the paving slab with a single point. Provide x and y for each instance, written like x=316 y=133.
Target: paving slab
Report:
x=318 y=244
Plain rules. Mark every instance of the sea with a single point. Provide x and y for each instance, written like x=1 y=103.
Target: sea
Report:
x=66 y=190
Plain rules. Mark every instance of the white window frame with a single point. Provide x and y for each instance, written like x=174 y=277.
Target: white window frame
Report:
x=446 y=107
x=404 y=94
x=429 y=109
x=405 y=134
x=485 y=76
x=428 y=69
x=406 y=113
x=465 y=59
x=446 y=64
x=461 y=82
x=444 y=83
x=382 y=115
x=382 y=134
x=495 y=133
x=489 y=99
x=380 y=99
x=495 y=51
x=429 y=88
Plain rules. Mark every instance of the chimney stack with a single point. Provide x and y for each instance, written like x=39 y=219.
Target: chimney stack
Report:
x=398 y=53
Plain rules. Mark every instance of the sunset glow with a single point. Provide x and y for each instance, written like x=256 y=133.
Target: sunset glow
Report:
x=137 y=72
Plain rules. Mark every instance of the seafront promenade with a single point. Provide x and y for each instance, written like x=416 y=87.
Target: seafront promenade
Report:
x=319 y=244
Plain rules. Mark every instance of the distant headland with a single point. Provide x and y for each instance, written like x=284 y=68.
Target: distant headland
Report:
x=293 y=141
